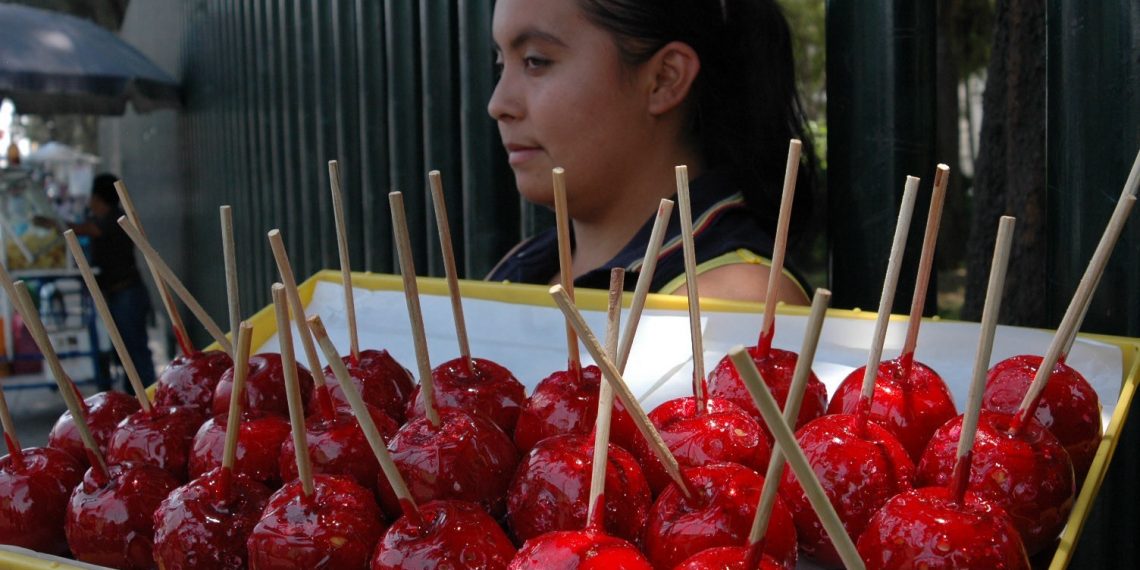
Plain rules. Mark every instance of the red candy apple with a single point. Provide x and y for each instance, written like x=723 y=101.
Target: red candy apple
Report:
x=728 y=558
x=337 y=446
x=162 y=437
x=35 y=488
x=777 y=368
x=579 y=550
x=860 y=465
x=911 y=406
x=551 y=487
x=719 y=514
x=492 y=392
x=104 y=412
x=725 y=433
x=198 y=526
x=264 y=387
x=1029 y=474
x=111 y=522
x=382 y=382
x=1069 y=406
x=565 y=402
x=259 y=443
x=465 y=458
x=930 y=528
x=452 y=534
x=190 y=380
x=334 y=529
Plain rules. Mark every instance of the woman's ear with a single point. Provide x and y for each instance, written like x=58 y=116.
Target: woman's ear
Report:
x=673 y=70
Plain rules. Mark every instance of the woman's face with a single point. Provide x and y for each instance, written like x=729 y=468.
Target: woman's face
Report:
x=565 y=99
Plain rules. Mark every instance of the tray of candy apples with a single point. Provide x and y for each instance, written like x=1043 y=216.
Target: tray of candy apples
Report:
x=359 y=422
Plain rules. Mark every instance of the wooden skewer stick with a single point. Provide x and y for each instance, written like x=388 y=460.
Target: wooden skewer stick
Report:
x=791 y=172
x=108 y=321
x=445 y=247
x=614 y=378
x=595 y=517
x=690 y=253
x=10 y=438
x=791 y=412
x=293 y=296
x=293 y=390
x=565 y=261
x=412 y=297
x=371 y=433
x=1076 y=308
x=179 y=327
x=345 y=266
x=172 y=280
x=894 y=265
x=24 y=303
x=229 y=255
x=644 y=280
x=770 y=410
x=961 y=474
x=1130 y=188
x=237 y=395
x=926 y=260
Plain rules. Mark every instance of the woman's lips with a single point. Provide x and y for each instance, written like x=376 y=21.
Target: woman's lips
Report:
x=517 y=155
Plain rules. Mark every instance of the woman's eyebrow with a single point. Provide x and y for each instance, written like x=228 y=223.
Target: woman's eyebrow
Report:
x=534 y=34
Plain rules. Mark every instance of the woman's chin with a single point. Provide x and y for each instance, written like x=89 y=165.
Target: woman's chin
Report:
x=535 y=189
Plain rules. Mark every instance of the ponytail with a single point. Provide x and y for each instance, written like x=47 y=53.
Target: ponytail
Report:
x=746 y=107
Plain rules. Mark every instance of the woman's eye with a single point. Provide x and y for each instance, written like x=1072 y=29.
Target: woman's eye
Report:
x=534 y=63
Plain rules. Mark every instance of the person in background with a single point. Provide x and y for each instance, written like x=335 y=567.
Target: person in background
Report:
x=618 y=92
x=113 y=254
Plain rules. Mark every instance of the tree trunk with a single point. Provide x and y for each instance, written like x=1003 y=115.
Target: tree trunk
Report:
x=1010 y=177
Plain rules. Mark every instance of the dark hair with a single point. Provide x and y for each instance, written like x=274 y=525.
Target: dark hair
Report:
x=104 y=187
x=745 y=105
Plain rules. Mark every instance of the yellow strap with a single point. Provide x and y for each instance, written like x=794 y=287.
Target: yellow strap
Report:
x=731 y=258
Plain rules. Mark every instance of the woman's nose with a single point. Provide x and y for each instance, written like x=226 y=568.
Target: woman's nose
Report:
x=503 y=104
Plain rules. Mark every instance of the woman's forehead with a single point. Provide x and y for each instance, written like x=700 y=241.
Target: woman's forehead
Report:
x=517 y=22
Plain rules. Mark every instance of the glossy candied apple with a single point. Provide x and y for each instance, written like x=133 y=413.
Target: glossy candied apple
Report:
x=551 y=487
x=264 y=387
x=1028 y=475
x=335 y=529
x=258 y=446
x=928 y=528
x=1069 y=406
x=205 y=523
x=859 y=470
x=452 y=534
x=719 y=514
x=565 y=402
x=587 y=549
x=728 y=558
x=111 y=522
x=337 y=446
x=104 y=412
x=911 y=407
x=724 y=433
x=190 y=380
x=492 y=392
x=163 y=438
x=381 y=381
x=466 y=458
x=777 y=369
x=34 y=492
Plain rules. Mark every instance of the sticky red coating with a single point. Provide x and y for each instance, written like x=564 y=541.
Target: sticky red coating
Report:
x=551 y=490
x=859 y=471
x=264 y=387
x=726 y=433
x=104 y=412
x=196 y=526
x=335 y=529
x=259 y=443
x=579 y=550
x=337 y=446
x=163 y=438
x=719 y=514
x=190 y=380
x=728 y=558
x=1029 y=475
x=113 y=524
x=928 y=528
x=453 y=534
x=492 y=392
x=565 y=402
x=777 y=369
x=381 y=381
x=911 y=407
x=35 y=493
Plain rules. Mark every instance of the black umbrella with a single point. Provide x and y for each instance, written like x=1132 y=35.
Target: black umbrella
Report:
x=52 y=63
